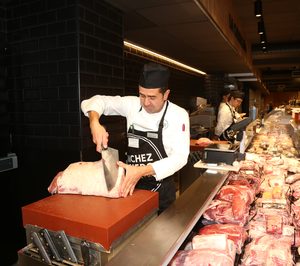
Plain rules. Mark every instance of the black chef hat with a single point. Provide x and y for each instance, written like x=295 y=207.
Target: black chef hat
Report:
x=237 y=94
x=154 y=76
x=225 y=91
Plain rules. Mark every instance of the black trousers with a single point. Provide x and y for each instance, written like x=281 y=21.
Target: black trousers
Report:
x=166 y=189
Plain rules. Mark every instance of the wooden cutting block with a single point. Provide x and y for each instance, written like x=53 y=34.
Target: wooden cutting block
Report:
x=97 y=219
x=195 y=147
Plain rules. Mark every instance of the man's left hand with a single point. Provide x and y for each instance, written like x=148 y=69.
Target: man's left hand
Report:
x=132 y=175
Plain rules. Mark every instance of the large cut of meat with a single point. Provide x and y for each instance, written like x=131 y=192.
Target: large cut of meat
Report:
x=203 y=142
x=240 y=196
x=292 y=178
x=86 y=178
x=220 y=211
x=268 y=250
x=236 y=233
x=201 y=257
x=217 y=242
x=253 y=178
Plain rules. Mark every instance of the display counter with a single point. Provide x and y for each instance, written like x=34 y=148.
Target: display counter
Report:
x=130 y=231
x=160 y=240
x=157 y=240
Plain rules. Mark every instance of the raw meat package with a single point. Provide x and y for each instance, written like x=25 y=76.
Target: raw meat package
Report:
x=201 y=257
x=234 y=232
x=268 y=250
x=203 y=142
x=208 y=250
x=86 y=178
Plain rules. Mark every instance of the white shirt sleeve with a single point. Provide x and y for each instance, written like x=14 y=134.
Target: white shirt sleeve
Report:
x=110 y=105
x=176 y=130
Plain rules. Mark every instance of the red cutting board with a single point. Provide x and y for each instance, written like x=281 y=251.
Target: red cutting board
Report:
x=97 y=219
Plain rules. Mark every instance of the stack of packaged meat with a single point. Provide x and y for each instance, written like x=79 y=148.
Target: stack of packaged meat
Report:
x=274 y=138
x=254 y=219
x=223 y=233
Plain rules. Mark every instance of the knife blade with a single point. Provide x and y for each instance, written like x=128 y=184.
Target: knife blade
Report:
x=110 y=157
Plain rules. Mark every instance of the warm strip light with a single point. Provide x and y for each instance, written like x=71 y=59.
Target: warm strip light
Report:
x=162 y=57
x=247 y=79
x=248 y=74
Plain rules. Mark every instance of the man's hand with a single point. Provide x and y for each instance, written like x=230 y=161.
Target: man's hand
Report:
x=99 y=133
x=132 y=176
x=242 y=114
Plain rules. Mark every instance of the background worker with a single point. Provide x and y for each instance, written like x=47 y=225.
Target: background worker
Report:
x=227 y=115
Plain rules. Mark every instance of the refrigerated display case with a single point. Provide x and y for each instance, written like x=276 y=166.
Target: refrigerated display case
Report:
x=167 y=233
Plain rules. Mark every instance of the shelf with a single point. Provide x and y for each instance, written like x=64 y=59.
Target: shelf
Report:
x=164 y=236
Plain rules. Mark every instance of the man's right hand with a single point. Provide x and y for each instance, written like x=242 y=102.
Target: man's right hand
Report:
x=99 y=133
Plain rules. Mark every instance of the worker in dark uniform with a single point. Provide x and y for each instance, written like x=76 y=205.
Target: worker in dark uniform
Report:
x=157 y=131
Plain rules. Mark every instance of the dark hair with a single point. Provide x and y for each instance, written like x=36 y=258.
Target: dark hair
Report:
x=163 y=89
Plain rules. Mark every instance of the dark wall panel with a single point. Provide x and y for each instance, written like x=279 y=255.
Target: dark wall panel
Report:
x=101 y=67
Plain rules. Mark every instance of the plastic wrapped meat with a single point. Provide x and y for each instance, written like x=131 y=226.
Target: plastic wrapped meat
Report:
x=268 y=250
x=216 y=242
x=86 y=178
x=240 y=196
x=292 y=178
x=201 y=257
x=203 y=142
x=220 y=211
x=234 y=232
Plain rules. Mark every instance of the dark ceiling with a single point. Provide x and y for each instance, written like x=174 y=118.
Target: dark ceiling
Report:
x=180 y=29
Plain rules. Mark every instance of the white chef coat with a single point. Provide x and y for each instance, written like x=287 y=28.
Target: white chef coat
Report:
x=176 y=130
x=225 y=118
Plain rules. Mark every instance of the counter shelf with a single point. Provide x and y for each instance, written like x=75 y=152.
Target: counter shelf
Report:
x=160 y=240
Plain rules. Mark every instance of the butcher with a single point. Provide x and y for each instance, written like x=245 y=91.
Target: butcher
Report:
x=228 y=116
x=157 y=132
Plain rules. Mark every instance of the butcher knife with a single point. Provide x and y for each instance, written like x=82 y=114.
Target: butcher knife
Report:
x=110 y=157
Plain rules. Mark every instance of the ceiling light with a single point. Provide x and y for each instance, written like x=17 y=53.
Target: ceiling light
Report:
x=247 y=74
x=263 y=38
x=264 y=48
x=166 y=59
x=261 y=27
x=258 y=8
x=247 y=79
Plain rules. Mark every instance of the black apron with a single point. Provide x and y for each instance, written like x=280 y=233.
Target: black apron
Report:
x=147 y=147
x=229 y=134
